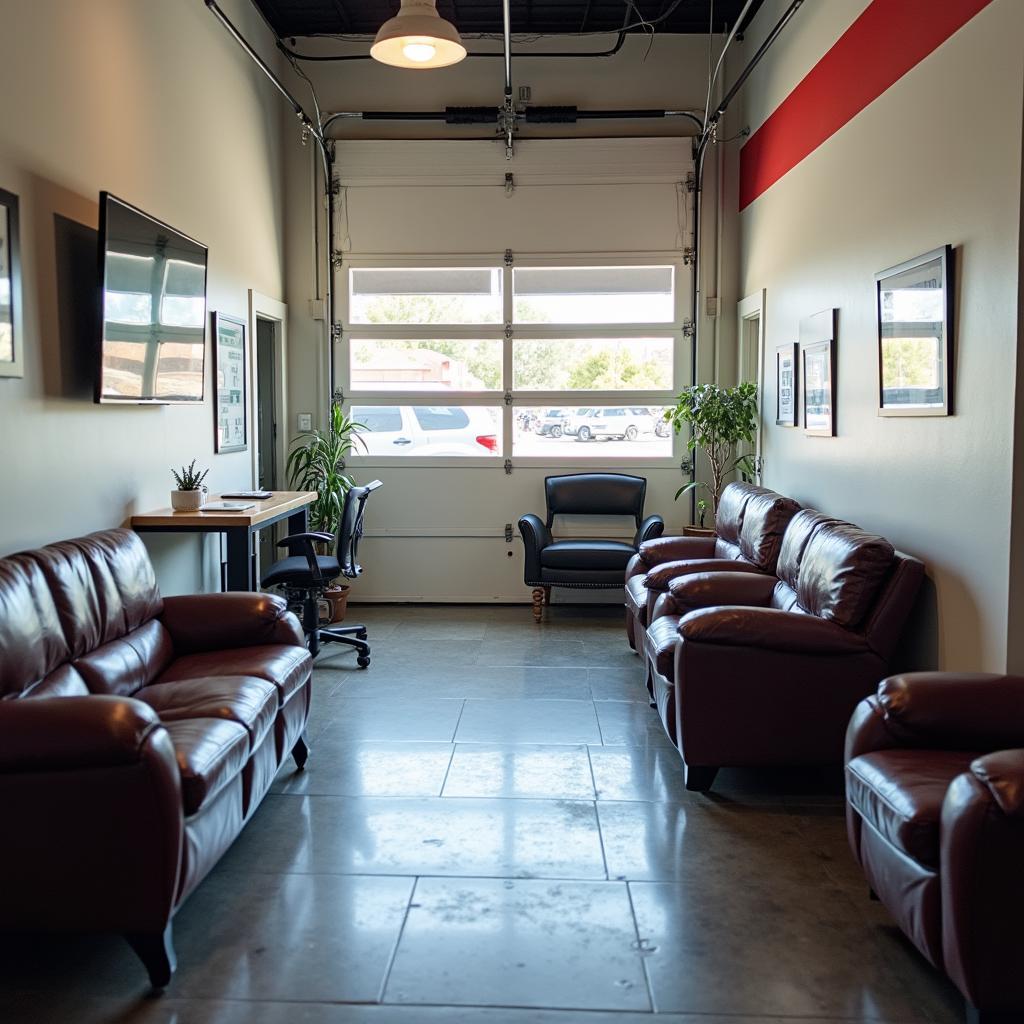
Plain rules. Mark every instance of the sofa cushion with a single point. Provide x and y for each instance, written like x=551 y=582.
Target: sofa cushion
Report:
x=900 y=794
x=587 y=554
x=841 y=571
x=286 y=666
x=210 y=753
x=103 y=585
x=123 y=666
x=662 y=637
x=765 y=519
x=251 y=702
x=32 y=643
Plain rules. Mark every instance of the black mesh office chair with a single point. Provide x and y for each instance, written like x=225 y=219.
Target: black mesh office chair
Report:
x=304 y=576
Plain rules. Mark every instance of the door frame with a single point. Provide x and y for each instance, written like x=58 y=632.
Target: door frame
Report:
x=262 y=307
x=752 y=307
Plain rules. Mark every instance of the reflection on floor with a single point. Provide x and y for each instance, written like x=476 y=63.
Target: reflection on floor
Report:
x=491 y=829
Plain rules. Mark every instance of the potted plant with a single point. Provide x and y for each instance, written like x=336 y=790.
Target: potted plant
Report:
x=317 y=463
x=719 y=418
x=190 y=494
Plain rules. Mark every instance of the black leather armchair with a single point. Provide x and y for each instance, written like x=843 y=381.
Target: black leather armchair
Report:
x=591 y=562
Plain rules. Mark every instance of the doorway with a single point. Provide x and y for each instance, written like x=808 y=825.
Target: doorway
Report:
x=750 y=359
x=268 y=386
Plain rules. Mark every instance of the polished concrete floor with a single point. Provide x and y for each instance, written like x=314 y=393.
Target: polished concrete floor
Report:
x=492 y=829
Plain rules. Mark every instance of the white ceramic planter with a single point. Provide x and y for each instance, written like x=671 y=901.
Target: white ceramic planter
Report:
x=188 y=501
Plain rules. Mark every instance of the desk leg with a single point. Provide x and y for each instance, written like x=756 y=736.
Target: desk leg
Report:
x=298 y=522
x=240 y=575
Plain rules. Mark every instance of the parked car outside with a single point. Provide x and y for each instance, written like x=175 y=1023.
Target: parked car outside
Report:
x=576 y=417
x=621 y=422
x=552 y=423
x=437 y=430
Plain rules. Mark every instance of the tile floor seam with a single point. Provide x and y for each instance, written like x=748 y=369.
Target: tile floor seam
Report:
x=397 y=943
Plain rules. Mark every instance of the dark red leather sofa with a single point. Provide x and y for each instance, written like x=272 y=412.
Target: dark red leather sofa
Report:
x=748 y=669
x=748 y=535
x=138 y=734
x=935 y=814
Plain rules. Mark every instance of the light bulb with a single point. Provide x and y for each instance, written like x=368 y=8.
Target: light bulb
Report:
x=419 y=50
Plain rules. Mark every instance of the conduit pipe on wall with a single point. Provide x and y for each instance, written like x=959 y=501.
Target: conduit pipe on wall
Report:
x=309 y=129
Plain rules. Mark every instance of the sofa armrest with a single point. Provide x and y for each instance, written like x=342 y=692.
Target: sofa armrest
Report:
x=536 y=537
x=662 y=575
x=93 y=815
x=981 y=838
x=674 y=549
x=958 y=711
x=710 y=589
x=651 y=528
x=52 y=734
x=771 y=629
x=1002 y=774
x=212 y=622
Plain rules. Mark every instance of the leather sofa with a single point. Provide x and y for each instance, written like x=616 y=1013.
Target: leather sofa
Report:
x=583 y=563
x=138 y=734
x=748 y=536
x=748 y=669
x=935 y=814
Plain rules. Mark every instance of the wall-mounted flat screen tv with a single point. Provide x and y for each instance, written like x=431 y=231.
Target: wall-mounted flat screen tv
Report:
x=153 y=330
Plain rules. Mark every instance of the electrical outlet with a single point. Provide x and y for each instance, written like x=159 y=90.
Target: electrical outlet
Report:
x=305 y=420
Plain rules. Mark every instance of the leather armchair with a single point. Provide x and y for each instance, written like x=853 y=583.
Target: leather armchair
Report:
x=749 y=527
x=935 y=815
x=172 y=720
x=747 y=669
x=583 y=563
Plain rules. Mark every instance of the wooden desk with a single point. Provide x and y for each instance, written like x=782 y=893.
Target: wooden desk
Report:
x=238 y=527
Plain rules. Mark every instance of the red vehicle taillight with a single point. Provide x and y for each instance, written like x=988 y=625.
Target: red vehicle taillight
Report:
x=489 y=441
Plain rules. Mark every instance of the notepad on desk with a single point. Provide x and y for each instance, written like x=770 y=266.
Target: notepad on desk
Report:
x=226 y=506
x=257 y=495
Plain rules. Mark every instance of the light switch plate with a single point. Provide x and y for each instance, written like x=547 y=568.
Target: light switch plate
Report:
x=305 y=421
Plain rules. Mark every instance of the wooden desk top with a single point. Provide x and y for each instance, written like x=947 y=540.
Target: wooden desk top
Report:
x=282 y=503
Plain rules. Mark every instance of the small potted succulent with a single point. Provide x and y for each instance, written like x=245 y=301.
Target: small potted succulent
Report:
x=190 y=494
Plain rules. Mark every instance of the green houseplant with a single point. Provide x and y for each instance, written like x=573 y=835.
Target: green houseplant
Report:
x=190 y=493
x=719 y=418
x=317 y=463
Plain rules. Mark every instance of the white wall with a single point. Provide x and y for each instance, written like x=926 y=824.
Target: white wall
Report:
x=935 y=160
x=465 y=502
x=153 y=101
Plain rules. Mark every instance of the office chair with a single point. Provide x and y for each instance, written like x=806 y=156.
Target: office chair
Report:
x=306 y=575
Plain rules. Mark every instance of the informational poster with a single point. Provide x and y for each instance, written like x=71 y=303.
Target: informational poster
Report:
x=230 y=365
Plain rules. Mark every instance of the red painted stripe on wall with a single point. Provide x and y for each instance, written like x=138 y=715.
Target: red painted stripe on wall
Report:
x=879 y=48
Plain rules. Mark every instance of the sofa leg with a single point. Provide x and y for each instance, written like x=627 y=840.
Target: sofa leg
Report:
x=301 y=752
x=156 y=951
x=538 y=603
x=547 y=595
x=699 y=779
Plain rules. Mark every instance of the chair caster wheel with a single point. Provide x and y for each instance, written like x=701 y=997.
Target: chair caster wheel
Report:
x=363 y=660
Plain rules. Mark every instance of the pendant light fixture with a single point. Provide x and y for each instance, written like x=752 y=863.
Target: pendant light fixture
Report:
x=418 y=37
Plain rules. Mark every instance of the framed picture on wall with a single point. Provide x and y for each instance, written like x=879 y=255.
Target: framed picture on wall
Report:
x=11 y=356
x=230 y=367
x=786 y=389
x=818 y=351
x=915 y=353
